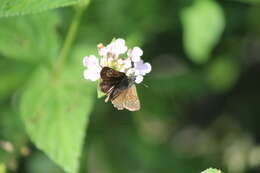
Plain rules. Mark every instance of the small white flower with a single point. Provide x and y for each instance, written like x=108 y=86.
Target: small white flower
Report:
x=142 y=68
x=132 y=65
x=117 y=47
x=93 y=71
x=130 y=72
x=103 y=51
x=127 y=63
x=90 y=61
x=135 y=54
x=139 y=79
x=120 y=65
x=91 y=74
x=106 y=61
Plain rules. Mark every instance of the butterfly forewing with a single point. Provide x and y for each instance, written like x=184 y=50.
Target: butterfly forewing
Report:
x=110 y=78
x=107 y=73
x=105 y=86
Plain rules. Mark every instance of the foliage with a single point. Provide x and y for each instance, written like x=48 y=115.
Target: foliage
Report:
x=200 y=109
x=2 y=168
x=65 y=104
x=20 y=7
x=203 y=23
x=211 y=170
x=31 y=41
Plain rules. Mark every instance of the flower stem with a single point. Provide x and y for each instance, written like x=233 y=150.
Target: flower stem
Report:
x=70 y=38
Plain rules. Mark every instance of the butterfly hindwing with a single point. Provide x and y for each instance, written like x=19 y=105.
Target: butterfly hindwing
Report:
x=132 y=102
x=118 y=102
x=127 y=99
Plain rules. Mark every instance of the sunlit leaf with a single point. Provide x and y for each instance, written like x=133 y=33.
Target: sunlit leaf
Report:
x=40 y=163
x=248 y=1
x=222 y=74
x=31 y=38
x=11 y=127
x=203 y=24
x=20 y=7
x=2 y=168
x=211 y=170
x=14 y=74
x=100 y=93
x=56 y=112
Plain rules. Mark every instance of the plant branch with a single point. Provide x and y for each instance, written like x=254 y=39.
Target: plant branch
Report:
x=69 y=40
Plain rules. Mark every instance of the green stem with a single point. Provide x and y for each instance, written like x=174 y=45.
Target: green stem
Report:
x=70 y=38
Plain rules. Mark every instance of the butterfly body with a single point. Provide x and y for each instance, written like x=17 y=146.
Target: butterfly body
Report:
x=120 y=89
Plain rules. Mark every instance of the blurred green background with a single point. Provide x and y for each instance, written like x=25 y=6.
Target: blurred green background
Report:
x=201 y=108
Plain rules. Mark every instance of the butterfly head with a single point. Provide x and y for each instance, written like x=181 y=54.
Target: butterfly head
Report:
x=131 y=80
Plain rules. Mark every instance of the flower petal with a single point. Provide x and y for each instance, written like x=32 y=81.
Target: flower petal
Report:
x=135 y=54
x=120 y=42
x=105 y=62
x=148 y=68
x=142 y=68
x=130 y=72
x=103 y=51
x=127 y=63
x=91 y=75
x=117 y=47
x=90 y=61
x=136 y=58
x=139 y=79
x=137 y=51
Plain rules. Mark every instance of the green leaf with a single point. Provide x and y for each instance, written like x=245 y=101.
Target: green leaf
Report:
x=14 y=74
x=2 y=168
x=249 y=1
x=20 y=7
x=211 y=170
x=203 y=24
x=12 y=135
x=56 y=112
x=100 y=93
x=222 y=74
x=34 y=38
x=11 y=127
x=40 y=163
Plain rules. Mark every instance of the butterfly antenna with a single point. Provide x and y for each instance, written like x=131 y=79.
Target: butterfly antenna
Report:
x=145 y=85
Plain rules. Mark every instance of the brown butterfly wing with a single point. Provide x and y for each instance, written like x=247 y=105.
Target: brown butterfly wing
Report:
x=108 y=73
x=110 y=78
x=132 y=102
x=118 y=102
x=127 y=99
x=105 y=86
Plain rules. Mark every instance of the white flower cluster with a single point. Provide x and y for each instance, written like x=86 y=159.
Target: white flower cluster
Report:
x=116 y=55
